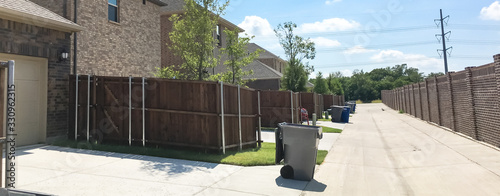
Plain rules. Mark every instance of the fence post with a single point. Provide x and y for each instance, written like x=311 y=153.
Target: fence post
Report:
x=143 y=113
x=10 y=129
x=94 y=106
x=450 y=87
x=291 y=104
x=76 y=107
x=239 y=116
x=259 y=136
x=222 y=117
x=130 y=110
x=88 y=107
x=470 y=88
x=438 y=101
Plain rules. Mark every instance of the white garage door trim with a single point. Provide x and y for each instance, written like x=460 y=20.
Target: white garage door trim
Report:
x=29 y=71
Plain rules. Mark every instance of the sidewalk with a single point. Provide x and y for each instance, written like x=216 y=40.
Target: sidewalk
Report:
x=387 y=153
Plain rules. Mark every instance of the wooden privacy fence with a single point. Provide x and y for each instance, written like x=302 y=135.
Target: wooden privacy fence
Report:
x=143 y=111
x=206 y=115
x=329 y=100
x=466 y=101
x=279 y=106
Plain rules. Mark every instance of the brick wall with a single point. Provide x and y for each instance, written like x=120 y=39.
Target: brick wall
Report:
x=445 y=111
x=467 y=101
x=130 y=47
x=28 y=40
x=167 y=56
x=62 y=7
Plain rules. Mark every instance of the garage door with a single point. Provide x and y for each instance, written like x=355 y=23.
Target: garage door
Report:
x=31 y=98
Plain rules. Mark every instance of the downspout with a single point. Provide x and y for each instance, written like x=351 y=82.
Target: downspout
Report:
x=75 y=40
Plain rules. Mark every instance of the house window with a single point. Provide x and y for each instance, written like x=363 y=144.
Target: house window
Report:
x=113 y=10
x=219 y=38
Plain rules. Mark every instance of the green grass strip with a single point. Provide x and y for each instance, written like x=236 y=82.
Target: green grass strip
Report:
x=331 y=130
x=248 y=157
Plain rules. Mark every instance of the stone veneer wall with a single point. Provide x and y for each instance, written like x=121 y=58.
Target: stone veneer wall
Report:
x=130 y=47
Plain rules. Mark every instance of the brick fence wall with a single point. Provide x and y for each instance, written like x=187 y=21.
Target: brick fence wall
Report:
x=466 y=101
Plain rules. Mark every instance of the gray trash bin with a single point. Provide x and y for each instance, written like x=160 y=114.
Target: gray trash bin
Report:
x=298 y=146
x=337 y=113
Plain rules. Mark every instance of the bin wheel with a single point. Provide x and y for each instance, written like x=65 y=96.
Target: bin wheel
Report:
x=287 y=172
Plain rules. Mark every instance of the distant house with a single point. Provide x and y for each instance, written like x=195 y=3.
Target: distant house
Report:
x=268 y=58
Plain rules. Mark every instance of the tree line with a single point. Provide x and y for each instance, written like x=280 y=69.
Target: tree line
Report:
x=366 y=86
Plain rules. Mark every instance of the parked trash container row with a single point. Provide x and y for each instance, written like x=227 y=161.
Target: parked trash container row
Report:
x=351 y=104
x=340 y=113
x=297 y=145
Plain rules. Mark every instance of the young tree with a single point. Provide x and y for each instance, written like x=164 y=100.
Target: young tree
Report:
x=296 y=49
x=192 y=36
x=295 y=77
x=237 y=57
x=334 y=85
x=320 y=85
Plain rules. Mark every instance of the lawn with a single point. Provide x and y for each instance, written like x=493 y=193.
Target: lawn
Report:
x=248 y=157
x=331 y=130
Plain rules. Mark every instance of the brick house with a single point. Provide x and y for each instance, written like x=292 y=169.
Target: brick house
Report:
x=35 y=38
x=121 y=38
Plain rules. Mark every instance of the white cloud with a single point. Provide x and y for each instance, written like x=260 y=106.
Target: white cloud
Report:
x=255 y=25
x=331 y=2
x=492 y=12
x=325 y=42
x=346 y=72
x=358 y=50
x=328 y=25
x=413 y=60
x=263 y=32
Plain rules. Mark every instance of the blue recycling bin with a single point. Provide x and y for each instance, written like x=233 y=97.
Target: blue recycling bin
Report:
x=345 y=114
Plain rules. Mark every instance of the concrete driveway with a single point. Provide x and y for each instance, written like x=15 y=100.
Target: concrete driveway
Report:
x=387 y=153
x=378 y=153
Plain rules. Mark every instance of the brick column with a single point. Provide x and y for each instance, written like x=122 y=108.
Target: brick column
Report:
x=438 y=102
x=450 y=87
x=497 y=74
x=428 y=102
x=470 y=89
x=421 y=102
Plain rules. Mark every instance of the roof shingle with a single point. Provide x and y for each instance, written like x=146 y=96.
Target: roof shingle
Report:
x=27 y=12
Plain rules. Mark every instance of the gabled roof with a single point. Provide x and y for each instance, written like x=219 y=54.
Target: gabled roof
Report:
x=261 y=71
x=177 y=7
x=27 y=12
x=265 y=54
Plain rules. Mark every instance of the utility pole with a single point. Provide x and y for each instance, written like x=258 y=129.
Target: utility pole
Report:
x=443 y=36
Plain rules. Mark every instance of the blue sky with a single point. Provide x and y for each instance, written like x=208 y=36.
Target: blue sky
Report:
x=364 y=35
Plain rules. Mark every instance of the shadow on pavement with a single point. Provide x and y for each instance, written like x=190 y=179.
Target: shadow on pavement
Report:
x=315 y=186
x=312 y=185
